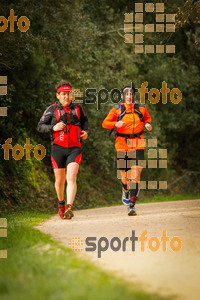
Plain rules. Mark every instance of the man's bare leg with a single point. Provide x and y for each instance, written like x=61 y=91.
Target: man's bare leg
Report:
x=72 y=171
x=60 y=182
x=134 y=176
x=59 y=186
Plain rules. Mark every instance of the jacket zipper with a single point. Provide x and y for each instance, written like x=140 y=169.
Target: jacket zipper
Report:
x=68 y=132
x=78 y=131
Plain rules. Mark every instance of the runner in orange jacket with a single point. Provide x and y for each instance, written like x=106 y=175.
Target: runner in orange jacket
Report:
x=129 y=118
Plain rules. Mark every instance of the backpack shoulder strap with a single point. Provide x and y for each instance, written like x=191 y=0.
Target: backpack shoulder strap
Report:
x=62 y=115
x=138 y=112
x=75 y=117
x=122 y=113
x=74 y=108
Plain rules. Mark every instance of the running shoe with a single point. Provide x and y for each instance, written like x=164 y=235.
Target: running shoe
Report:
x=126 y=199
x=131 y=210
x=61 y=211
x=68 y=212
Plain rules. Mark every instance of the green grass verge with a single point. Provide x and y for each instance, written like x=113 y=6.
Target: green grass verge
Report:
x=40 y=268
x=158 y=198
x=155 y=198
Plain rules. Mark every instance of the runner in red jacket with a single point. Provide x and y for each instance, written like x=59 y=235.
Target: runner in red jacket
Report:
x=67 y=124
x=129 y=118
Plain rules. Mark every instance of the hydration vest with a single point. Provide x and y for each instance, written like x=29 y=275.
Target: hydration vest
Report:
x=70 y=118
x=123 y=112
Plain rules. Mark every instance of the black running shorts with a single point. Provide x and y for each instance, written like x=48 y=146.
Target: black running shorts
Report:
x=61 y=157
x=127 y=159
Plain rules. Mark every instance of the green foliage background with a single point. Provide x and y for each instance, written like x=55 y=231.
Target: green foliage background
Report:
x=83 y=42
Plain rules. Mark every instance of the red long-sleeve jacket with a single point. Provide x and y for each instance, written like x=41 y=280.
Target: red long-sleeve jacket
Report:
x=74 y=118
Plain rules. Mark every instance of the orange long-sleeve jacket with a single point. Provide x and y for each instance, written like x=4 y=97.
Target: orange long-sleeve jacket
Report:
x=132 y=125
